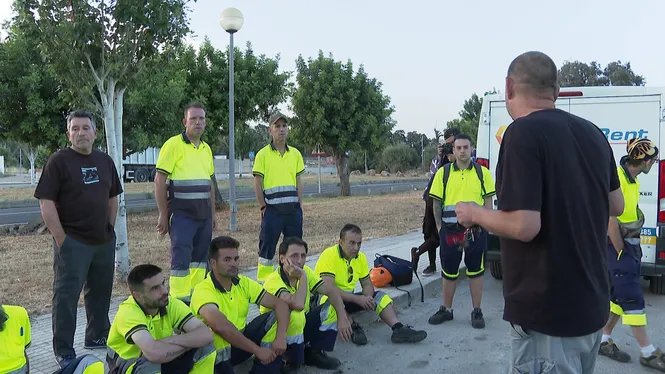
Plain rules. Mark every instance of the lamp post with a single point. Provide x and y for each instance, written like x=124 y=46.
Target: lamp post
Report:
x=231 y=21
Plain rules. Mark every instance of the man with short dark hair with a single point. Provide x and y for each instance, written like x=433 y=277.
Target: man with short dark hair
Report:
x=431 y=235
x=344 y=265
x=278 y=188
x=553 y=231
x=77 y=195
x=222 y=302
x=187 y=203
x=153 y=332
x=462 y=180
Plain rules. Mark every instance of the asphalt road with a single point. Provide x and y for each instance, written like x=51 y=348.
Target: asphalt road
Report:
x=456 y=347
x=12 y=216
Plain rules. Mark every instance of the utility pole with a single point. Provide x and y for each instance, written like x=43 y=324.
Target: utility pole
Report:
x=422 y=150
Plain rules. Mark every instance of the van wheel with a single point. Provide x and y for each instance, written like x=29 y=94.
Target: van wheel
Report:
x=657 y=285
x=141 y=175
x=496 y=270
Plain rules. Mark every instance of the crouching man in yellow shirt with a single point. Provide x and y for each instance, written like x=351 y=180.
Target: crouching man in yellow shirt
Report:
x=222 y=302
x=316 y=328
x=156 y=333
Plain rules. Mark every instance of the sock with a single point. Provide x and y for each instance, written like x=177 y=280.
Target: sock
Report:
x=397 y=326
x=606 y=338
x=648 y=351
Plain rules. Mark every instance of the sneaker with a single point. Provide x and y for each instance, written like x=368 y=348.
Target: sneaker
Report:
x=320 y=359
x=358 y=336
x=441 y=316
x=64 y=360
x=406 y=334
x=477 y=320
x=430 y=270
x=609 y=349
x=655 y=361
x=414 y=257
x=95 y=344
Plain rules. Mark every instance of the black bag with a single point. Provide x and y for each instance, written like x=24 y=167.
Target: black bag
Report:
x=401 y=271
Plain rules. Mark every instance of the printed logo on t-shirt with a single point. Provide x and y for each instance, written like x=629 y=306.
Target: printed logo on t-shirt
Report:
x=90 y=175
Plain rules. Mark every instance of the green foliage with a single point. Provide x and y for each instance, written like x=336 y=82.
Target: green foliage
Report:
x=580 y=74
x=31 y=110
x=399 y=158
x=341 y=109
x=430 y=153
x=259 y=88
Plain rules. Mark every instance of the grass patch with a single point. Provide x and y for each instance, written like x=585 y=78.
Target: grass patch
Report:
x=27 y=193
x=26 y=262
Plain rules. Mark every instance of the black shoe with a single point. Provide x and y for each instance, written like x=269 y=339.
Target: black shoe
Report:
x=288 y=368
x=609 y=349
x=95 y=344
x=358 y=336
x=320 y=359
x=477 y=320
x=64 y=360
x=406 y=334
x=441 y=316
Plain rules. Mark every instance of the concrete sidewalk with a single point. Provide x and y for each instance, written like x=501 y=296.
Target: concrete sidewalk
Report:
x=41 y=356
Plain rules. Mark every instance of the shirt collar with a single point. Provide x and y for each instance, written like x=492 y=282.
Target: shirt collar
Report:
x=341 y=253
x=284 y=276
x=162 y=310
x=218 y=286
x=457 y=169
x=286 y=147
x=626 y=172
x=185 y=139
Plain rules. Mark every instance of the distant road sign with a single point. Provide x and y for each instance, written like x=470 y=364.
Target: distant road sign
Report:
x=251 y=155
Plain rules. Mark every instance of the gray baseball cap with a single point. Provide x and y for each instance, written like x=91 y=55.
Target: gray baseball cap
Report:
x=276 y=117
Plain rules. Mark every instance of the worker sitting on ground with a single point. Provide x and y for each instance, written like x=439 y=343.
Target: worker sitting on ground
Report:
x=156 y=333
x=294 y=282
x=222 y=302
x=344 y=265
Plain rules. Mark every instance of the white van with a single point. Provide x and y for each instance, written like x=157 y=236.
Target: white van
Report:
x=622 y=113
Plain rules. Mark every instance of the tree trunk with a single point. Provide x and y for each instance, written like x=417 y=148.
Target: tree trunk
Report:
x=112 y=102
x=31 y=157
x=343 y=173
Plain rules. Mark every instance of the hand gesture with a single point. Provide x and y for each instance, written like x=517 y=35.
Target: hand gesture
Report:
x=265 y=355
x=465 y=213
x=162 y=224
x=292 y=270
x=366 y=302
x=344 y=327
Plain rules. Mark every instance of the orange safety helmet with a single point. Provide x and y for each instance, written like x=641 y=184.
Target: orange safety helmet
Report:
x=380 y=277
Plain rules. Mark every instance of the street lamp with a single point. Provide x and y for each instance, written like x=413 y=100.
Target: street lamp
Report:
x=231 y=21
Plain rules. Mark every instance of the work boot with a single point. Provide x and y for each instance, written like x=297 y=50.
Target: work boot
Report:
x=288 y=368
x=95 y=343
x=655 y=361
x=441 y=316
x=64 y=360
x=406 y=334
x=320 y=359
x=414 y=258
x=477 y=320
x=358 y=336
x=430 y=270
x=609 y=349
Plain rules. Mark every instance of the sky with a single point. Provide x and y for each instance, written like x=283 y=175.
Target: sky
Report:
x=432 y=55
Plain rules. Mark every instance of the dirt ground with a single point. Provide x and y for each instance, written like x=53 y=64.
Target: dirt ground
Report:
x=26 y=262
x=26 y=193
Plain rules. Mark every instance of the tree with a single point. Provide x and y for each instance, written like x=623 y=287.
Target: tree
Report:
x=400 y=157
x=340 y=109
x=96 y=48
x=258 y=89
x=397 y=137
x=470 y=115
x=32 y=111
x=580 y=74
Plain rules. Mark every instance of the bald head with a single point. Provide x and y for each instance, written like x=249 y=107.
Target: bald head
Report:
x=535 y=75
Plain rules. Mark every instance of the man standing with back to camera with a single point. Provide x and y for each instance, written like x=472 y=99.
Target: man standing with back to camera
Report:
x=77 y=195
x=552 y=219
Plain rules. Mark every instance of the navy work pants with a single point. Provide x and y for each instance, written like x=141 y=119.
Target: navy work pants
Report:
x=273 y=225
x=190 y=239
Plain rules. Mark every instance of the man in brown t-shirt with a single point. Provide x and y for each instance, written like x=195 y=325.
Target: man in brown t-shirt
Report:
x=77 y=195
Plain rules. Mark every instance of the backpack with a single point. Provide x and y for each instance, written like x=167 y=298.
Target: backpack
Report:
x=401 y=272
x=446 y=174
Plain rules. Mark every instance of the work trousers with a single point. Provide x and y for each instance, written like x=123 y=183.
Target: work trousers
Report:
x=273 y=224
x=76 y=267
x=190 y=239
x=626 y=296
x=321 y=327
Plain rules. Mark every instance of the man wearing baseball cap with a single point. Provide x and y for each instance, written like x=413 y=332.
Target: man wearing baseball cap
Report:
x=278 y=189
x=624 y=258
